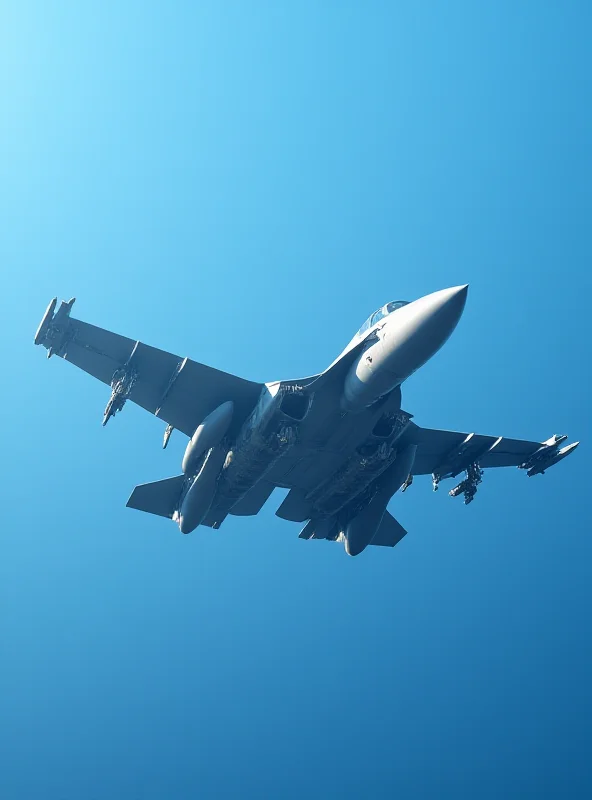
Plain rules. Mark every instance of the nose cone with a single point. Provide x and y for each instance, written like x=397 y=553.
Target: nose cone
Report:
x=456 y=294
x=417 y=331
x=441 y=311
x=403 y=343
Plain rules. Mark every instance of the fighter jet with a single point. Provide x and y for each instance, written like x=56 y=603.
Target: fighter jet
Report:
x=339 y=441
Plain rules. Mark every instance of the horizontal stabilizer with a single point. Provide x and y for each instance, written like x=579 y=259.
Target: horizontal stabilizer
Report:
x=158 y=497
x=295 y=507
x=389 y=533
x=324 y=528
x=254 y=500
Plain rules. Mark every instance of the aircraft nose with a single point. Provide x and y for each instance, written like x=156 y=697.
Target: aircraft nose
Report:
x=406 y=340
x=447 y=304
x=419 y=329
x=433 y=318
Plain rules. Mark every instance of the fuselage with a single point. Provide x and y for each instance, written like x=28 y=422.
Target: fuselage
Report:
x=335 y=441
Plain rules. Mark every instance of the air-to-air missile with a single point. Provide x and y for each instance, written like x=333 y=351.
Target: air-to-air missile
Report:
x=547 y=455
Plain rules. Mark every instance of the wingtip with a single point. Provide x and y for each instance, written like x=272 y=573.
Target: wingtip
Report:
x=45 y=321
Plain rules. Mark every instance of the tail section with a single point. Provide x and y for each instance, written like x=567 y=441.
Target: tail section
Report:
x=389 y=533
x=158 y=497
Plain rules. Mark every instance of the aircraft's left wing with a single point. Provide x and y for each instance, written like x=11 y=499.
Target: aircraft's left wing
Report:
x=177 y=390
x=449 y=452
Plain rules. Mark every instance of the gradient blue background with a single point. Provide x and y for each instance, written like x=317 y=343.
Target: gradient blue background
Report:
x=244 y=183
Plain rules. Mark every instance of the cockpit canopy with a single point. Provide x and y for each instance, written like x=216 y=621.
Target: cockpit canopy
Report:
x=382 y=312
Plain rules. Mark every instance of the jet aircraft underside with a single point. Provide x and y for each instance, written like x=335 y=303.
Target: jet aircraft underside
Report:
x=340 y=442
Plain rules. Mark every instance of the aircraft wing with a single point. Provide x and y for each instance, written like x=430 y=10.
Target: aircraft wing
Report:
x=449 y=452
x=177 y=390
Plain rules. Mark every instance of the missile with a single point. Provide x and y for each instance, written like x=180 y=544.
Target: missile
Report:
x=550 y=446
x=199 y=496
x=407 y=338
x=552 y=459
x=556 y=440
x=545 y=452
x=360 y=531
x=207 y=435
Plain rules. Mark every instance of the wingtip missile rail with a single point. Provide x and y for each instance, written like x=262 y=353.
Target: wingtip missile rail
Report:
x=53 y=329
x=547 y=456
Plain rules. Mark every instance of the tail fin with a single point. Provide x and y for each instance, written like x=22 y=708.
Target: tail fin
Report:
x=158 y=497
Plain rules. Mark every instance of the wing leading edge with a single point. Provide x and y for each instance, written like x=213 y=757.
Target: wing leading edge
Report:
x=180 y=391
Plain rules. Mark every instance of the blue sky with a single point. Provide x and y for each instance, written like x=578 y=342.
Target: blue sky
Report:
x=244 y=183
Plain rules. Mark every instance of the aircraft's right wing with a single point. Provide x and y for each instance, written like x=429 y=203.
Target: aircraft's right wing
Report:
x=444 y=451
x=177 y=390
